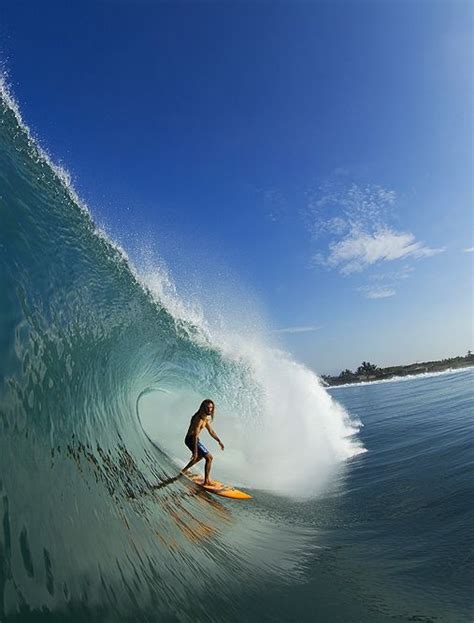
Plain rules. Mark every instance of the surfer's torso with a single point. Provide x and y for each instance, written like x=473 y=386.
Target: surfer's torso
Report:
x=198 y=422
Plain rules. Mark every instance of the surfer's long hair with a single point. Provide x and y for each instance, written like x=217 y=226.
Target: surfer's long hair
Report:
x=202 y=408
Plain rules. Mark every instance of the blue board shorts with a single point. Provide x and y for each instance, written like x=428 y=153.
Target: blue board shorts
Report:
x=202 y=450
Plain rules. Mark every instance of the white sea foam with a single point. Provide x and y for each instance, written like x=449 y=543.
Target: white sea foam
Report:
x=288 y=439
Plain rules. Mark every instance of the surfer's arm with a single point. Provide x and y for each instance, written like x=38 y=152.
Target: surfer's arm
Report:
x=213 y=435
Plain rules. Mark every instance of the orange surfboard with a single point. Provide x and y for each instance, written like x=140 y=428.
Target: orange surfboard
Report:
x=225 y=491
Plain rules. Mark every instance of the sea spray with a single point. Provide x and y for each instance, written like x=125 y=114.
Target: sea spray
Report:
x=95 y=522
x=287 y=433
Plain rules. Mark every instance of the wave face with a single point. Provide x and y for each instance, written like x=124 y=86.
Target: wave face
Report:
x=95 y=523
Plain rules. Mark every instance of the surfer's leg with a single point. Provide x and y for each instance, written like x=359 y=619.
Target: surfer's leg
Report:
x=207 y=469
x=189 y=441
x=191 y=463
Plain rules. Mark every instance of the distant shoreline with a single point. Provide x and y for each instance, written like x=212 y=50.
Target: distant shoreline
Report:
x=380 y=374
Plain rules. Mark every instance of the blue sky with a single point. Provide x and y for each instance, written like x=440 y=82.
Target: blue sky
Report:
x=316 y=155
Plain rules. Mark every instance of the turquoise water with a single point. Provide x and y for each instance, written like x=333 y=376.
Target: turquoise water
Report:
x=362 y=496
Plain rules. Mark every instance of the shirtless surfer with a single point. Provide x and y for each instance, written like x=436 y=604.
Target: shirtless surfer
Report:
x=201 y=419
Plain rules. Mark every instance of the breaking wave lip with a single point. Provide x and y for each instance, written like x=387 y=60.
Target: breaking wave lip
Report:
x=253 y=356
x=257 y=358
x=89 y=504
x=61 y=172
x=397 y=379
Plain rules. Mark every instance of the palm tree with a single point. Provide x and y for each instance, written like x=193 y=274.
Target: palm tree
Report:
x=367 y=368
x=345 y=374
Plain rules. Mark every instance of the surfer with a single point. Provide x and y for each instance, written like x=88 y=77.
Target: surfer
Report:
x=201 y=419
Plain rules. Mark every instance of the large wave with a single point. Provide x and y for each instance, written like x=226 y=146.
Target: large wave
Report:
x=95 y=521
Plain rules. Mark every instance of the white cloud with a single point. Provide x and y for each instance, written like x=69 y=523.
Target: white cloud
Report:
x=332 y=211
x=395 y=275
x=377 y=292
x=359 y=250
x=356 y=223
x=469 y=250
x=303 y=329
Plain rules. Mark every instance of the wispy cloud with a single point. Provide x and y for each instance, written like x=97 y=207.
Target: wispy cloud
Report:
x=393 y=275
x=383 y=283
x=341 y=212
x=377 y=292
x=360 y=249
x=303 y=329
x=469 y=250
x=356 y=223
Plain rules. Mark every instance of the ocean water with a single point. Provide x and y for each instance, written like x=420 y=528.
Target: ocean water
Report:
x=362 y=507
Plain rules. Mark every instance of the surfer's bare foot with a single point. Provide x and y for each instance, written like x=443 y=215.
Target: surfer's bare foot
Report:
x=209 y=483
